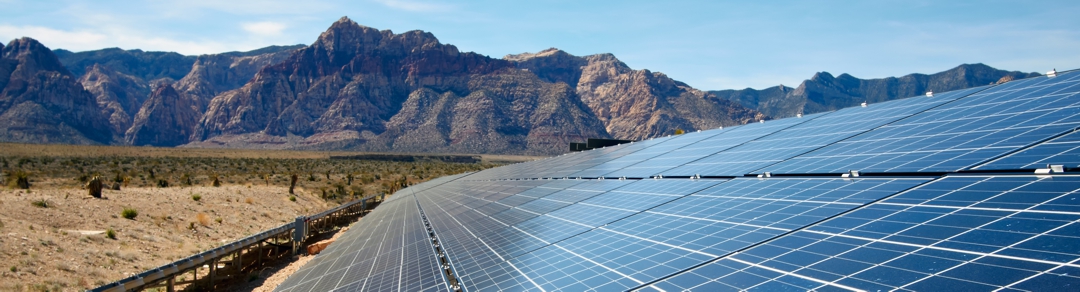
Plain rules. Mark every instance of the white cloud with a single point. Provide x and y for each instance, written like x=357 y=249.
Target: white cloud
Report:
x=264 y=28
x=52 y=37
x=78 y=40
x=415 y=6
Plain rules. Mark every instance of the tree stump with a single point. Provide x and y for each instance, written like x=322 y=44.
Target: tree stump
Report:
x=94 y=187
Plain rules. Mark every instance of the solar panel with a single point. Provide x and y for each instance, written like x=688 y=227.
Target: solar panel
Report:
x=812 y=134
x=945 y=198
x=675 y=142
x=1064 y=150
x=970 y=233
x=393 y=253
x=957 y=135
x=722 y=139
x=691 y=230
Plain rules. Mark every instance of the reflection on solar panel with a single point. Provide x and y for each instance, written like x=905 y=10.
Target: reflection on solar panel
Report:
x=945 y=199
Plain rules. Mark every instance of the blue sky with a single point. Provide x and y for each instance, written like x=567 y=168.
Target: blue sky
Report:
x=707 y=44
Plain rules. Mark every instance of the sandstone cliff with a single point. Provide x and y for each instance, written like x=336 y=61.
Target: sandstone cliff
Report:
x=41 y=102
x=634 y=104
x=119 y=96
x=165 y=119
x=366 y=89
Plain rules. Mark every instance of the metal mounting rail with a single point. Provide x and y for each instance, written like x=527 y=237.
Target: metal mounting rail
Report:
x=300 y=231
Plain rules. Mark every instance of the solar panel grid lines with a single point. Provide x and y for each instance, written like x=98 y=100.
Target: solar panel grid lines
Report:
x=812 y=134
x=619 y=234
x=725 y=139
x=1059 y=150
x=675 y=142
x=957 y=135
x=899 y=243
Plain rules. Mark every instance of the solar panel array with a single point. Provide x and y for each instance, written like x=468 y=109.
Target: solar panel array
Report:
x=945 y=192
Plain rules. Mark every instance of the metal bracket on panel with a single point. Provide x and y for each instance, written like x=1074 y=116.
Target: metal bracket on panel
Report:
x=600 y=178
x=761 y=121
x=622 y=178
x=1052 y=73
x=851 y=173
x=658 y=176
x=929 y=94
x=863 y=104
x=798 y=115
x=1057 y=168
x=765 y=175
x=696 y=176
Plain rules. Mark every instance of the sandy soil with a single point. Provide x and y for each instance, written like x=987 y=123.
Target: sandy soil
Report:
x=64 y=246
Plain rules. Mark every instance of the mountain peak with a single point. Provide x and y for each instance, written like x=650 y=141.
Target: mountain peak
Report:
x=526 y=56
x=822 y=76
x=344 y=20
x=32 y=53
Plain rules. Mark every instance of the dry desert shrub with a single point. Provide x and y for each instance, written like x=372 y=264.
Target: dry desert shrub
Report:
x=249 y=200
x=203 y=219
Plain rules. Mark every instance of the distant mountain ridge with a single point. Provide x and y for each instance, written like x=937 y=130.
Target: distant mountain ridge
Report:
x=359 y=88
x=823 y=92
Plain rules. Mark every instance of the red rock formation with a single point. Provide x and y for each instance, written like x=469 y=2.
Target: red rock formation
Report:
x=165 y=119
x=40 y=102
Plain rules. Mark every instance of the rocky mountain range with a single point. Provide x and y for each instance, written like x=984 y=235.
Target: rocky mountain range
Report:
x=824 y=92
x=359 y=88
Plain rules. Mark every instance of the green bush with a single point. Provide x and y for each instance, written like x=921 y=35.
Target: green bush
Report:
x=196 y=197
x=19 y=179
x=129 y=213
x=40 y=203
x=110 y=234
x=292 y=198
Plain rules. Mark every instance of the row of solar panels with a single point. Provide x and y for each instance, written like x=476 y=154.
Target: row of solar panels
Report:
x=978 y=232
x=968 y=129
x=912 y=228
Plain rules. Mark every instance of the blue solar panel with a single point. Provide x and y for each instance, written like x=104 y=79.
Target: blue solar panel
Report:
x=957 y=135
x=395 y=251
x=673 y=143
x=1017 y=233
x=688 y=231
x=902 y=225
x=722 y=140
x=810 y=135
x=1064 y=150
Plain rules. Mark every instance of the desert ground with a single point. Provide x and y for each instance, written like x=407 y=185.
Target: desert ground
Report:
x=54 y=236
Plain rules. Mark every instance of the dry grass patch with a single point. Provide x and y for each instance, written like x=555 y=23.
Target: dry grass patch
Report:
x=203 y=219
